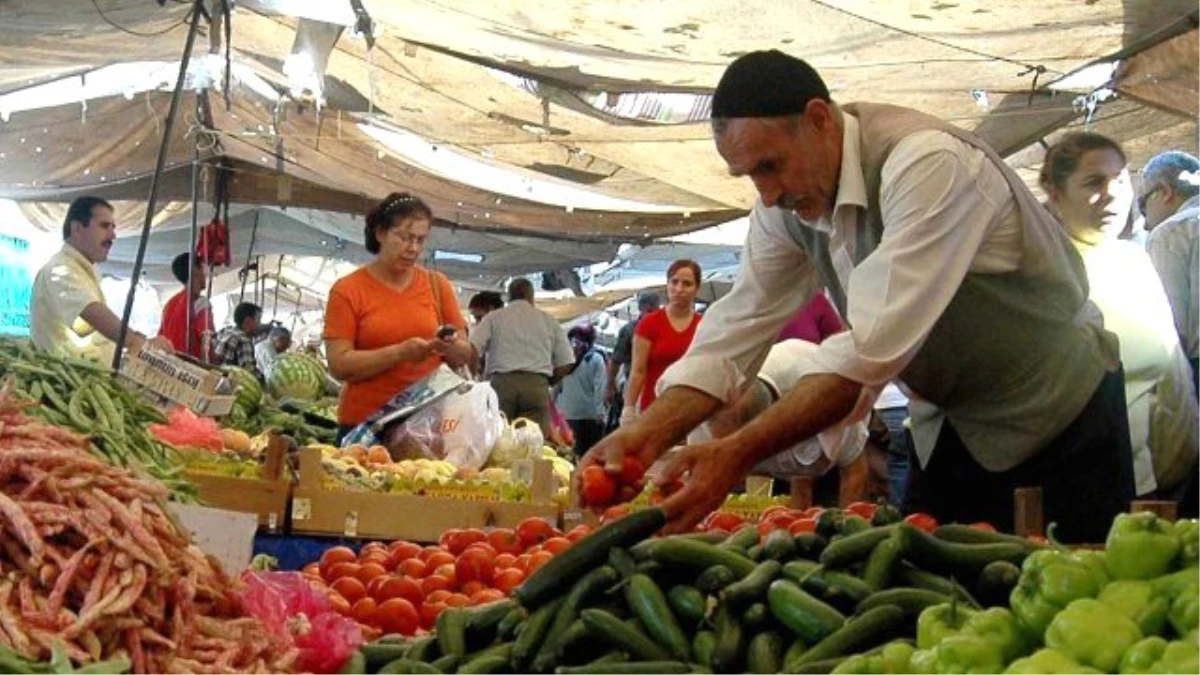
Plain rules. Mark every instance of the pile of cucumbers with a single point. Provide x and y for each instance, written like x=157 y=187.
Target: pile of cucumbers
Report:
x=622 y=601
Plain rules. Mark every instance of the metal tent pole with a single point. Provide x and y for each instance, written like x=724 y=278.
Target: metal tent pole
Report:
x=151 y=201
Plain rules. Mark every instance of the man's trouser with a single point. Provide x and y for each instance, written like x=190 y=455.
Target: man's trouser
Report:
x=525 y=395
x=1086 y=474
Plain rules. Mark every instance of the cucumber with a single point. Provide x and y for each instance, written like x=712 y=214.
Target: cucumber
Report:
x=886 y=514
x=745 y=537
x=689 y=604
x=589 y=586
x=649 y=605
x=996 y=582
x=691 y=553
x=448 y=663
x=423 y=649
x=452 y=632
x=623 y=562
x=962 y=560
x=406 y=666
x=632 y=667
x=965 y=534
x=702 y=647
x=713 y=579
x=555 y=577
x=755 y=552
x=881 y=563
x=918 y=578
x=911 y=600
x=756 y=616
x=832 y=586
x=753 y=588
x=485 y=664
x=794 y=651
x=872 y=628
x=507 y=628
x=731 y=643
x=829 y=523
x=764 y=655
x=809 y=545
x=822 y=667
x=529 y=641
x=854 y=548
x=355 y=665
x=853 y=524
x=574 y=634
x=804 y=615
x=618 y=634
x=377 y=654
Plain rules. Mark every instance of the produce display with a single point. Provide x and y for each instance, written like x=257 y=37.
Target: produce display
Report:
x=296 y=376
x=82 y=395
x=97 y=574
x=402 y=587
x=862 y=592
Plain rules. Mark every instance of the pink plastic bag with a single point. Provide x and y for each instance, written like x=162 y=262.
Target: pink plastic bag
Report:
x=297 y=611
x=185 y=428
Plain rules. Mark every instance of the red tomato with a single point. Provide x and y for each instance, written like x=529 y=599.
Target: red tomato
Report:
x=614 y=513
x=435 y=583
x=632 y=470
x=380 y=558
x=578 y=532
x=485 y=547
x=522 y=562
x=504 y=540
x=371 y=547
x=770 y=511
x=430 y=612
x=446 y=571
x=485 y=596
x=339 y=604
x=458 y=541
x=444 y=540
x=367 y=572
x=311 y=570
x=722 y=520
x=363 y=611
x=438 y=559
x=922 y=521
x=505 y=561
x=864 y=509
x=538 y=559
x=474 y=565
x=472 y=587
x=803 y=526
x=813 y=512
x=428 y=551
x=533 y=530
x=350 y=588
x=506 y=580
x=457 y=600
x=412 y=567
x=597 y=487
x=986 y=527
x=333 y=556
x=403 y=550
x=397 y=616
x=778 y=521
x=556 y=545
x=342 y=569
x=399 y=587
x=438 y=596
x=662 y=492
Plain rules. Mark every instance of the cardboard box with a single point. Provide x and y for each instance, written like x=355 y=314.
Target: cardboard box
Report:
x=179 y=380
x=226 y=535
x=267 y=498
x=379 y=515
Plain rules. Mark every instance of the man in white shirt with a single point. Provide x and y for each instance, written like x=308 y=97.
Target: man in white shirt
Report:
x=278 y=341
x=67 y=310
x=524 y=351
x=952 y=279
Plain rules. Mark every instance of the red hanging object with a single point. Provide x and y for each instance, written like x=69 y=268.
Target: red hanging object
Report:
x=214 y=246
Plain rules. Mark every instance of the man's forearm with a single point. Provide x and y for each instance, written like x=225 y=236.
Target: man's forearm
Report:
x=815 y=404
x=675 y=413
x=102 y=319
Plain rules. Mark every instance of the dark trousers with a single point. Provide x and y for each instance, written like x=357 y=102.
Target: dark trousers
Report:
x=1086 y=474
x=898 y=450
x=587 y=433
x=524 y=395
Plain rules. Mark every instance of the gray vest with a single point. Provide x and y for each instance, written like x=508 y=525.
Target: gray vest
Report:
x=1015 y=357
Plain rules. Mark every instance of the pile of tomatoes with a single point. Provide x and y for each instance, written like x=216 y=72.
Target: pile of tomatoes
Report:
x=402 y=587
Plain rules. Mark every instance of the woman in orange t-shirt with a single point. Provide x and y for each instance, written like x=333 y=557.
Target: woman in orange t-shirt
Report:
x=382 y=321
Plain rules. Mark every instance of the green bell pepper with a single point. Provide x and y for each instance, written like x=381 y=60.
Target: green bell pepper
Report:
x=965 y=653
x=923 y=662
x=1141 y=546
x=1050 y=580
x=1138 y=601
x=1188 y=532
x=1156 y=655
x=940 y=622
x=897 y=657
x=1175 y=583
x=1090 y=632
x=1049 y=662
x=860 y=664
x=1185 y=610
x=999 y=626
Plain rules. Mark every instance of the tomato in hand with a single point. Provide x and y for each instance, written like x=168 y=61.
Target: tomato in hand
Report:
x=632 y=470
x=598 y=487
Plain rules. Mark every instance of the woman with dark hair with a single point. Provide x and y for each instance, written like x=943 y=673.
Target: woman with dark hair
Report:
x=1087 y=180
x=662 y=337
x=383 y=322
x=580 y=395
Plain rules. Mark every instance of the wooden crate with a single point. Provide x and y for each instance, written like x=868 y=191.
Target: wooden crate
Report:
x=317 y=510
x=268 y=497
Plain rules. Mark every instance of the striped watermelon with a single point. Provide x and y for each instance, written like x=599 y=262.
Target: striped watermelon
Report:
x=296 y=376
x=249 y=391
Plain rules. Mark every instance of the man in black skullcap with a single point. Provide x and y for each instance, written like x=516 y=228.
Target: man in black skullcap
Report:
x=955 y=283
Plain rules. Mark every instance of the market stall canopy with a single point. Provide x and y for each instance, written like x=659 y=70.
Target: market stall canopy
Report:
x=480 y=258
x=576 y=119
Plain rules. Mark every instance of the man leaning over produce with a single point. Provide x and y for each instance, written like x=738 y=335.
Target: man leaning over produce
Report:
x=954 y=281
x=67 y=310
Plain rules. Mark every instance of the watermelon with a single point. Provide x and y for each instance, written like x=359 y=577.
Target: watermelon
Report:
x=249 y=391
x=296 y=376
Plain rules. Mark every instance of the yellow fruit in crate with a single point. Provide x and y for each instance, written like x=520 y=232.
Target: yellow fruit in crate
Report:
x=549 y=452
x=466 y=473
x=445 y=468
x=496 y=475
x=426 y=475
x=235 y=440
x=356 y=453
x=378 y=455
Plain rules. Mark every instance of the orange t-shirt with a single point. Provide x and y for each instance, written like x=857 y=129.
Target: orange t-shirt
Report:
x=373 y=315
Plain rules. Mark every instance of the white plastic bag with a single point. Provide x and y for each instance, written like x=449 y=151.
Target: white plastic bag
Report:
x=462 y=428
x=519 y=441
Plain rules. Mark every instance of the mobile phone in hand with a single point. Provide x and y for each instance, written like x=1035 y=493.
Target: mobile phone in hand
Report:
x=447 y=332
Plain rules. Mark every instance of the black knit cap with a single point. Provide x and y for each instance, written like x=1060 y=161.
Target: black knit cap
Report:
x=767 y=84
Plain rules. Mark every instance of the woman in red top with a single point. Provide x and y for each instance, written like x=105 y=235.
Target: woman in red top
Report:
x=663 y=336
